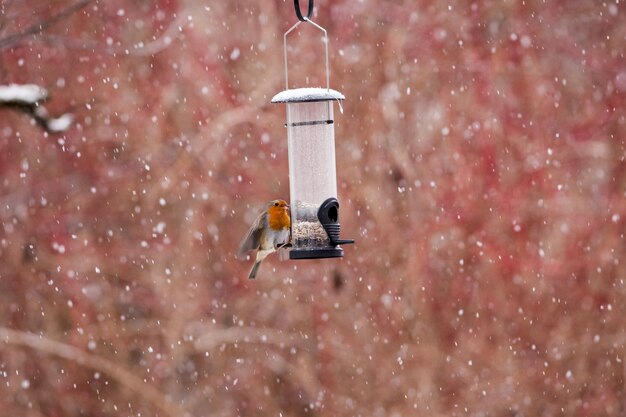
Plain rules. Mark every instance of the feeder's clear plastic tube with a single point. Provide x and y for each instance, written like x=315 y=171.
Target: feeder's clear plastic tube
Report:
x=312 y=171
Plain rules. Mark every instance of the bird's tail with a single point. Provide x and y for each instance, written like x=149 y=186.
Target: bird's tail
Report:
x=254 y=270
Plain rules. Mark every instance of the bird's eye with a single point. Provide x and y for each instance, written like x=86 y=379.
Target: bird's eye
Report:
x=275 y=204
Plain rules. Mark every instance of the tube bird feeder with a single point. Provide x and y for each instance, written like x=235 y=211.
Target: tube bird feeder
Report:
x=315 y=226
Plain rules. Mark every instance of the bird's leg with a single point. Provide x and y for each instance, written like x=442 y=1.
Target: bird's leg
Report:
x=286 y=244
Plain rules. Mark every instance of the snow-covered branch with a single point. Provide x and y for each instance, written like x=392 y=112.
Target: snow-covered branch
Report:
x=28 y=98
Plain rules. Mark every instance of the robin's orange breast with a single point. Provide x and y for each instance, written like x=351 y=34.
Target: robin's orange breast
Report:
x=279 y=218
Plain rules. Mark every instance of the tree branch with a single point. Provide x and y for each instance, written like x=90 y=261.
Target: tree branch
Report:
x=39 y=27
x=123 y=376
x=29 y=98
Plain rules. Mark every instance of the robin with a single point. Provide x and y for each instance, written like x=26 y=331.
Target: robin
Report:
x=268 y=233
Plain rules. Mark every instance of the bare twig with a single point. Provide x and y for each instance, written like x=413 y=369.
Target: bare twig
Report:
x=212 y=339
x=39 y=27
x=123 y=376
x=302 y=374
x=164 y=40
x=225 y=121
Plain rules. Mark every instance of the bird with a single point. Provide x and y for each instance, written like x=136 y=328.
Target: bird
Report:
x=268 y=233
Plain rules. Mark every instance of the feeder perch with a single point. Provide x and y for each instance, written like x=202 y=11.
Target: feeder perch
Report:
x=315 y=226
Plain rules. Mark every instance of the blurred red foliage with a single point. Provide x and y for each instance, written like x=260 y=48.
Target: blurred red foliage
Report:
x=481 y=165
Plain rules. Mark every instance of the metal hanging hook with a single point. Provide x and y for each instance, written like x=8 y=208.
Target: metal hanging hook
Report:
x=325 y=40
x=309 y=12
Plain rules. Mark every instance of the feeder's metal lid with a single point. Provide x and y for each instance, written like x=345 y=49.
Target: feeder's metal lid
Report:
x=301 y=95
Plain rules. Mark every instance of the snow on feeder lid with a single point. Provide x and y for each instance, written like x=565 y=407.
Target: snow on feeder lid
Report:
x=315 y=224
x=302 y=95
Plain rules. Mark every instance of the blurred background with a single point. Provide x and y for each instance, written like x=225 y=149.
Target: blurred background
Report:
x=481 y=169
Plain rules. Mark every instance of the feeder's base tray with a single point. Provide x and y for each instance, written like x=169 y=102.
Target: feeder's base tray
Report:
x=316 y=253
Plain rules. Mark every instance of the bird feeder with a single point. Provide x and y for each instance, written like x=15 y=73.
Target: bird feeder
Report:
x=314 y=205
